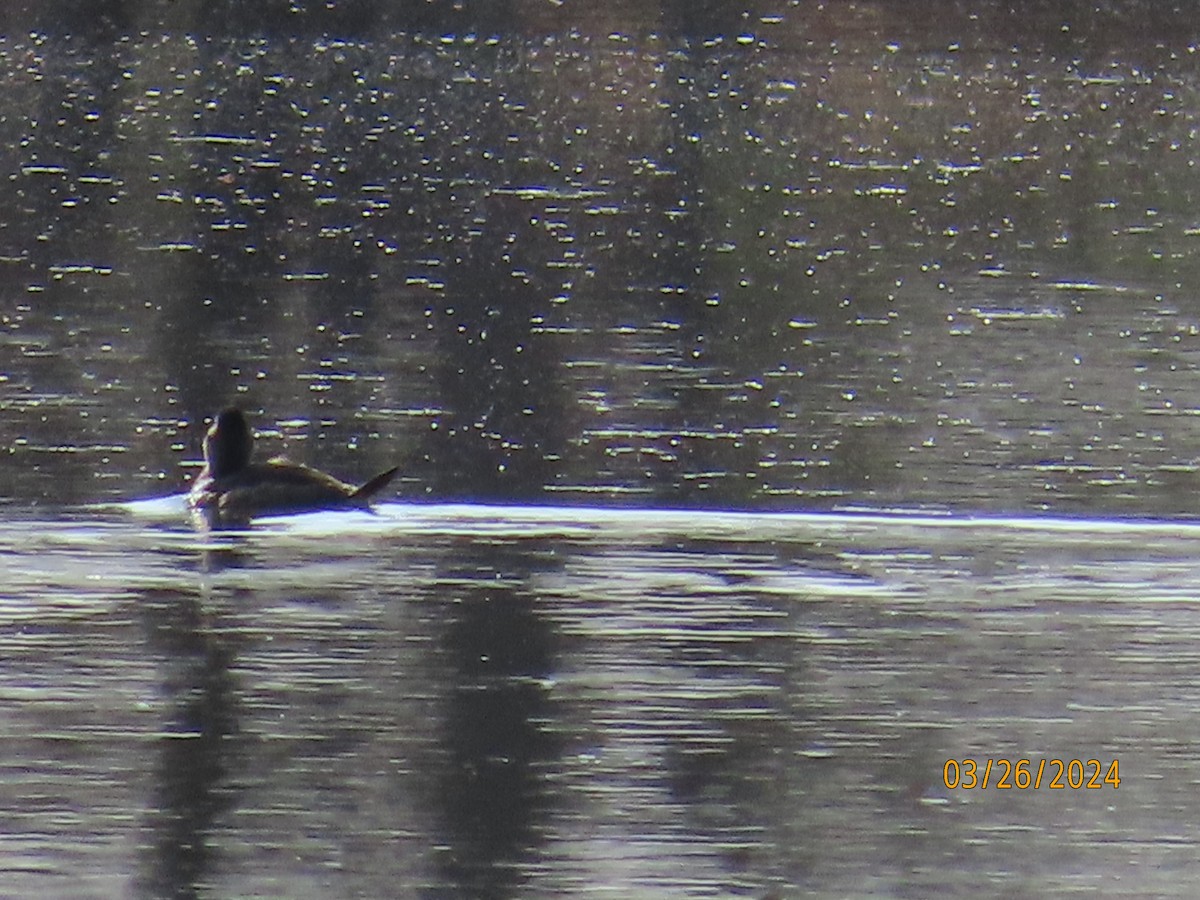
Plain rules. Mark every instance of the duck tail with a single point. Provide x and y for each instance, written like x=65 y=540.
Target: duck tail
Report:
x=374 y=485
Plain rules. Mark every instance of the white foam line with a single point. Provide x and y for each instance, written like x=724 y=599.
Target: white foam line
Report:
x=492 y=517
x=698 y=521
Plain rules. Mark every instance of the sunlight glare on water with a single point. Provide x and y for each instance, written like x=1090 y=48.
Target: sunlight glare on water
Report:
x=793 y=408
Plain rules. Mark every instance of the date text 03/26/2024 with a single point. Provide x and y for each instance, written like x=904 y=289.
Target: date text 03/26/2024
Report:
x=1028 y=774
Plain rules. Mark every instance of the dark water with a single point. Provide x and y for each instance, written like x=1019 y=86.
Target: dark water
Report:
x=662 y=310
x=824 y=261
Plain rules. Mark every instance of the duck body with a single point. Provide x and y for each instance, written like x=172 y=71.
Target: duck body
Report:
x=231 y=489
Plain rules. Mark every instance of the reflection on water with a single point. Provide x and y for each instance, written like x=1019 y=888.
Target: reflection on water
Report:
x=836 y=256
x=200 y=702
x=851 y=257
x=459 y=700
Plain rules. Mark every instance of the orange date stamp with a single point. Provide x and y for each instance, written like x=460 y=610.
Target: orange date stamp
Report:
x=1032 y=775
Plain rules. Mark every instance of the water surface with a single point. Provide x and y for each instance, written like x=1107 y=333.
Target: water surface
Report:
x=790 y=400
x=461 y=700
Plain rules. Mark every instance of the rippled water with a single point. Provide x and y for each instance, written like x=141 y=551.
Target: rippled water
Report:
x=849 y=259
x=463 y=700
x=792 y=404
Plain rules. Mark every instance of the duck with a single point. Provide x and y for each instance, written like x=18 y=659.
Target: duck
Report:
x=231 y=489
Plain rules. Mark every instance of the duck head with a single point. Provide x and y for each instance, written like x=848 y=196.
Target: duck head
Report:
x=228 y=443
